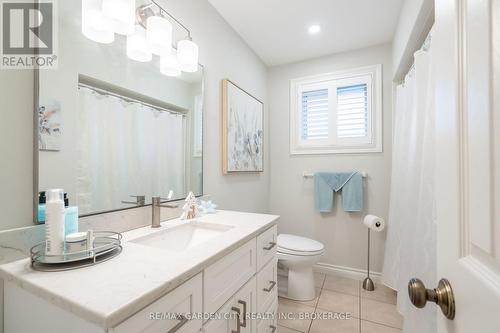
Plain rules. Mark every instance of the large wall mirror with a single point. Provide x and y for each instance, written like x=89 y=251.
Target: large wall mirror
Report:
x=112 y=131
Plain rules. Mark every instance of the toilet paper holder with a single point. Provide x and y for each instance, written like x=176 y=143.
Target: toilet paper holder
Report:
x=368 y=284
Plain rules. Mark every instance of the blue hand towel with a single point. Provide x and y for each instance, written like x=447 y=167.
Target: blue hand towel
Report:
x=327 y=183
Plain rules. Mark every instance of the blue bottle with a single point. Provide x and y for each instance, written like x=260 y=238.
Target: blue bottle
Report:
x=70 y=217
x=70 y=220
x=41 y=207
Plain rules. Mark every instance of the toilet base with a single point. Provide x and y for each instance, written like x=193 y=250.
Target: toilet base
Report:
x=300 y=285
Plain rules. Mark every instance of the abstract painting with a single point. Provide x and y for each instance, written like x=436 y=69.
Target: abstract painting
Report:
x=243 y=130
x=49 y=131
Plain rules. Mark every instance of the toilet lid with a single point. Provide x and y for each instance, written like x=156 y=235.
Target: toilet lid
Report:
x=298 y=244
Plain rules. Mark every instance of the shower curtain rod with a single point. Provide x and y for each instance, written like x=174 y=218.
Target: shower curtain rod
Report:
x=426 y=45
x=128 y=99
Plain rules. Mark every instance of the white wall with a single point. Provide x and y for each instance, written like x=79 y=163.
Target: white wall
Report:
x=223 y=54
x=291 y=196
x=415 y=21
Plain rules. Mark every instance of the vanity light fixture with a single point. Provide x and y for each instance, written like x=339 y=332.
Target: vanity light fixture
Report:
x=187 y=52
x=314 y=29
x=94 y=26
x=152 y=34
x=169 y=65
x=138 y=48
x=121 y=15
x=159 y=34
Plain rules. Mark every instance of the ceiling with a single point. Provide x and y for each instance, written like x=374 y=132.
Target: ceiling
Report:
x=277 y=29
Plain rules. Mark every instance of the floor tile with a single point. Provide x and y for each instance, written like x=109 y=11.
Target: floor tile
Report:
x=289 y=315
x=319 y=279
x=282 y=329
x=381 y=293
x=369 y=327
x=334 y=326
x=329 y=324
x=342 y=284
x=339 y=302
x=311 y=303
x=380 y=312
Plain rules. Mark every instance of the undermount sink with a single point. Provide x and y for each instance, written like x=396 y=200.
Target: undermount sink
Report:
x=184 y=236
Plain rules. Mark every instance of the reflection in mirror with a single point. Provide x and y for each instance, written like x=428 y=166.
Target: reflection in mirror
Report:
x=113 y=132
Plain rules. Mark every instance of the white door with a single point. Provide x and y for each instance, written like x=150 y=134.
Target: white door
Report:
x=467 y=42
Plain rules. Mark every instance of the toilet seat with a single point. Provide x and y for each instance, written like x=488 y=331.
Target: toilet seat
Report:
x=299 y=246
x=298 y=253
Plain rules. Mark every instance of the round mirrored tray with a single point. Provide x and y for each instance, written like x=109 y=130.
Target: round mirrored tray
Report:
x=106 y=245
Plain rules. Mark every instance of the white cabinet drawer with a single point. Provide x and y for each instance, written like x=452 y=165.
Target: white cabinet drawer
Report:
x=156 y=318
x=267 y=287
x=270 y=323
x=223 y=278
x=266 y=246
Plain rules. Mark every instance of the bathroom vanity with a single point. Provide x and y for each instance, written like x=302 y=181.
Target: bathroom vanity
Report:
x=213 y=274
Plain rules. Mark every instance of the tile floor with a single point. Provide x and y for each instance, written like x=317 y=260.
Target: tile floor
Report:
x=370 y=312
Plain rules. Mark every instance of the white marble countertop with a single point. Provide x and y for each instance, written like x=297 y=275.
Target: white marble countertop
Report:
x=110 y=292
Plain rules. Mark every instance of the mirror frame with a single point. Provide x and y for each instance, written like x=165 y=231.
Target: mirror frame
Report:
x=36 y=148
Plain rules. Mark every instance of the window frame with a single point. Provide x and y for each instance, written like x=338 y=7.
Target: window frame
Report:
x=372 y=76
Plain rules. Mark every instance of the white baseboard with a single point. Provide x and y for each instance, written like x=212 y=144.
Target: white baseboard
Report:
x=348 y=272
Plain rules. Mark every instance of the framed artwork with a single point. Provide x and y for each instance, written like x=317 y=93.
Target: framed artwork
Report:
x=49 y=130
x=242 y=130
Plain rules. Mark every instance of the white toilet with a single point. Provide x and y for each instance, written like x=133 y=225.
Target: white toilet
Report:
x=298 y=255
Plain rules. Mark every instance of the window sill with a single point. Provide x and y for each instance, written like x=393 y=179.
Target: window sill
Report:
x=334 y=150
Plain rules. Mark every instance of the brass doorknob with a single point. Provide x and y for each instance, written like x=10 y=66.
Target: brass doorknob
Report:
x=442 y=296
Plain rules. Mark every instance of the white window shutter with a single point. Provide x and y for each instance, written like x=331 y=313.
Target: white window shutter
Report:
x=352 y=111
x=314 y=122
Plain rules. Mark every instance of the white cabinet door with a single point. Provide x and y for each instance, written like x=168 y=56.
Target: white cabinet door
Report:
x=223 y=323
x=246 y=301
x=236 y=313
x=26 y=312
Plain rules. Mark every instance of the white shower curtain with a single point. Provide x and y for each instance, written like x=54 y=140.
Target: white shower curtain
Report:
x=411 y=241
x=126 y=149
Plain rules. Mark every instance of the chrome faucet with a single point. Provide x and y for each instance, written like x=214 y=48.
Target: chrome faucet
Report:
x=157 y=203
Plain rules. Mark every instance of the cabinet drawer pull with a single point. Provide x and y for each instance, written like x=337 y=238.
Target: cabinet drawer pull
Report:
x=182 y=321
x=244 y=323
x=271 y=245
x=238 y=323
x=273 y=328
x=271 y=286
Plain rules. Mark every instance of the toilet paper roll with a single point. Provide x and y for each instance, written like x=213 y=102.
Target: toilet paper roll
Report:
x=375 y=223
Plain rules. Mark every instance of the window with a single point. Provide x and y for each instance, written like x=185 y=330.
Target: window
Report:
x=337 y=112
